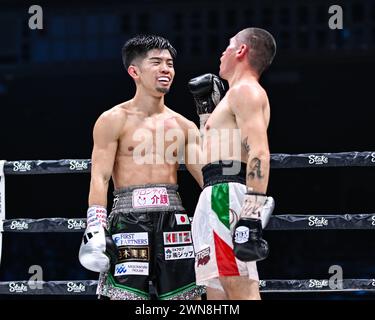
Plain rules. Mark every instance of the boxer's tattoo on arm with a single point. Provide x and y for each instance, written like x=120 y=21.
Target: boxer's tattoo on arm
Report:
x=246 y=146
x=254 y=169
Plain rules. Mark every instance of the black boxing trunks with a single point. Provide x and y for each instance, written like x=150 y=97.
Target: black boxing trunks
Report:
x=153 y=234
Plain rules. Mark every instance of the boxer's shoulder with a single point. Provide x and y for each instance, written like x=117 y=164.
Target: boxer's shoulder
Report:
x=112 y=119
x=118 y=112
x=246 y=95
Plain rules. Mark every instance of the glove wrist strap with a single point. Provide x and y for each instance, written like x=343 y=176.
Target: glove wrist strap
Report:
x=253 y=205
x=97 y=216
x=203 y=119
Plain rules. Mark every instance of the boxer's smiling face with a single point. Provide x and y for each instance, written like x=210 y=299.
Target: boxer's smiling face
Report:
x=157 y=71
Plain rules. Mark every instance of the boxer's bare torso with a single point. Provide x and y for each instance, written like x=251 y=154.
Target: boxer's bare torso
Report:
x=143 y=154
x=223 y=139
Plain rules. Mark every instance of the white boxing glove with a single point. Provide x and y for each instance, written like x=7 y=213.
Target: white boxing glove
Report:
x=97 y=251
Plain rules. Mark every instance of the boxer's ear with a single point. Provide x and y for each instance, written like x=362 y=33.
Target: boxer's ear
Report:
x=242 y=51
x=133 y=71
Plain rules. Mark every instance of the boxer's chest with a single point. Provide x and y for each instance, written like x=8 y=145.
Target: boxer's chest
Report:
x=221 y=118
x=152 y=135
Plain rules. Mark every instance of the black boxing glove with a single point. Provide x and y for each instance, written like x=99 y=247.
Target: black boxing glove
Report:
x=248 y=242
x=207 y=91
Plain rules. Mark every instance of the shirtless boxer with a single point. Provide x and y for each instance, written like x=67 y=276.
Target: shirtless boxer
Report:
x=147 y=235
x=233 y=207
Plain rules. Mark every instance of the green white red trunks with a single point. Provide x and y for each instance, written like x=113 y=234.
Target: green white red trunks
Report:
x=216 y=214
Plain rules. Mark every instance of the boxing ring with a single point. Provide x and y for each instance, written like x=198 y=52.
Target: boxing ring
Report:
x=277 y=222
